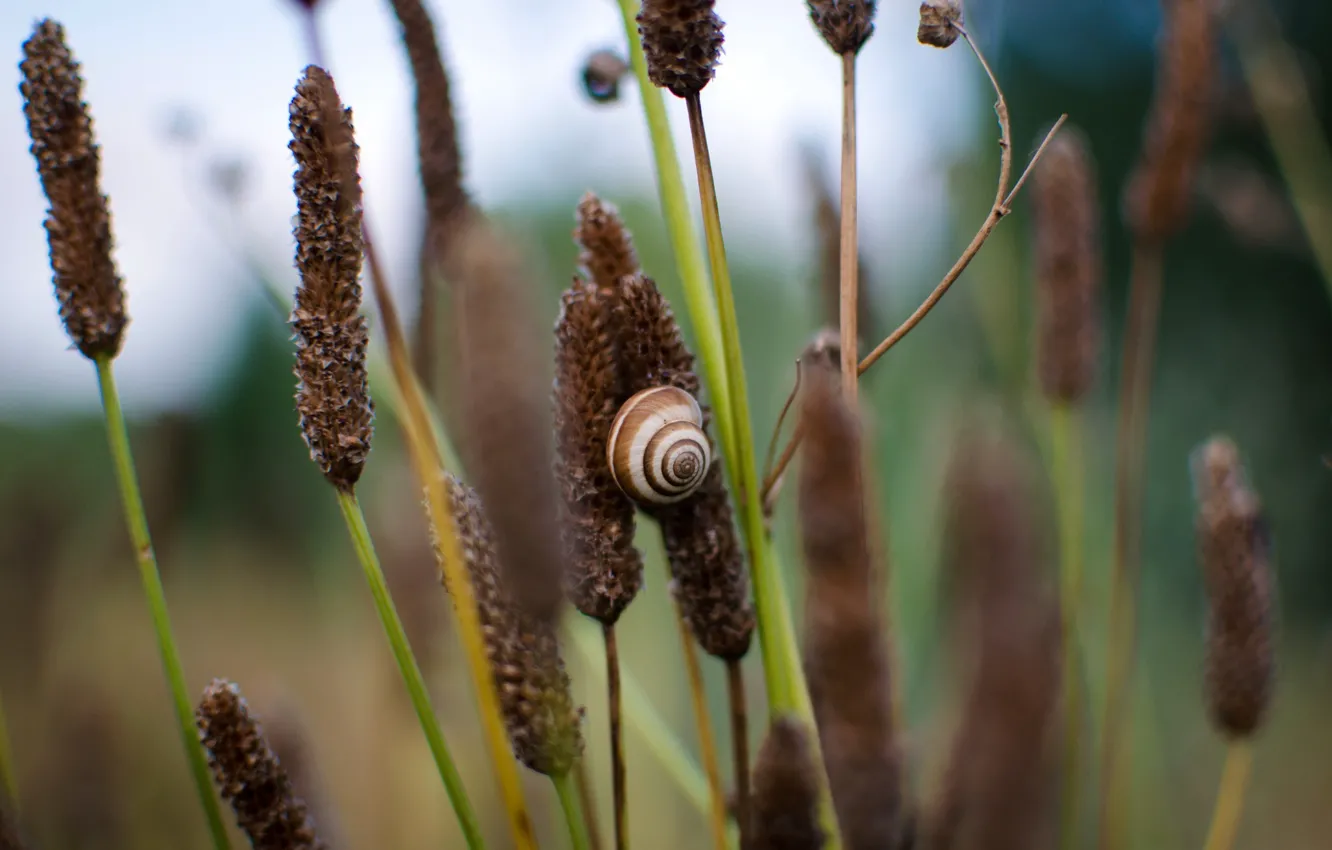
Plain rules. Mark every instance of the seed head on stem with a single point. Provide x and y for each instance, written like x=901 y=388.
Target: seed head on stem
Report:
x=844 y=24
x=682 y=40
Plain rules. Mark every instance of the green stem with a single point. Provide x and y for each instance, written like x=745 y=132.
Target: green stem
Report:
x=1065 y=438
x=573 y=812
x=136 y=521
x=8 y=774
x=411 y=673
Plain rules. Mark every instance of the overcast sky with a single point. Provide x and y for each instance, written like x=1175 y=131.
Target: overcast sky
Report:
x=526 y=131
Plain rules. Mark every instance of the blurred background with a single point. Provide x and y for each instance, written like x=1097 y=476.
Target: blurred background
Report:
x=190 y=102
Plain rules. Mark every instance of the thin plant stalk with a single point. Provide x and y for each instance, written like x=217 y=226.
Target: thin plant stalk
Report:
x=587 y=800
x=707 y=744
x=136 y=520
x=411 y=671
x=849 y=279
x=618 y=778
x=8 y=774
x=1131 y=430
x=1067 y=471
x=573 y=812
x=735 y=689
x=1230 y=796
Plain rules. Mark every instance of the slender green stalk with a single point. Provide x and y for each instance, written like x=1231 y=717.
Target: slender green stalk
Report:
x=411 y=672
x=1230 y=796
x=1066 y=453
x=8 y=774
x=136 y=520
x=573 y=812
x=684 y=243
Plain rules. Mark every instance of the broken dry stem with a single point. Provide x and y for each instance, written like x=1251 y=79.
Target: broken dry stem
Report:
x=136 y=520
x=849 y=274
x=735 y=688
x=1138 y=351
x=411 y=672
x=618 y=779
x=707 y=743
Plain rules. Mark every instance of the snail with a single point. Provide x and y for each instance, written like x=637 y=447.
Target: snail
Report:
x=658 y=452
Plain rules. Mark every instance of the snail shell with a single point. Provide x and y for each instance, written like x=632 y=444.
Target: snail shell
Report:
x=658 y=451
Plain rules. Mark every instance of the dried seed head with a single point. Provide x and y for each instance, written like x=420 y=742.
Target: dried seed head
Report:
x=332 y=397
x=1066 y=223
x=607 y=248
x=1160 y=187
x=605 y=570
x=698 y=533
x=845 y=24
x=78 y=224
x=1235 y=554
x=602 y=74
x=999 y=781
x=682 y=40
x=784 y=802
x=502 y=384
x=523 y=651
x=248 y=775
x=847 y=659
x=940 y=22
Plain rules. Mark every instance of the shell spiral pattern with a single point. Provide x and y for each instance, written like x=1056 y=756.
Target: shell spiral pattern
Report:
x=658 y=451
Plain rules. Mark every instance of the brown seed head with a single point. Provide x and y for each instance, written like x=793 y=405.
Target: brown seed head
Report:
x=784 y=801
x=999 y=781
x=1066 y=223
x=502 y=386
x=607 y=248
x=332 y=397
x=845 y=24
x=699 y=535
x=605 y=570
x=1235 y=554
x=1160 y=188
x=248 y=775
x=602 y=74
x=523 y=650
x=847 y=659
x=682 y=40
x=78 y=224
x=940 y=22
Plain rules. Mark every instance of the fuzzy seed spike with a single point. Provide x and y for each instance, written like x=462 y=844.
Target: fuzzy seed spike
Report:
x=1235 y=554
x=605 y=570
x=524 y=652
x=1159 y=190
x=847 y=659
x=1066 y=223
x=682 y=41
x=999 y=784
x=784 y=805
x=78 y=223
x=332 y=397
x=940 y=23
x=711 y=583
x=607 y=248
x=844 y=24
x=249 y=776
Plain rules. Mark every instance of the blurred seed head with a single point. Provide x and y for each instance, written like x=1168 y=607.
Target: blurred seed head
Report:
x=249 y=775
x=524 y=652
x=607 y=248
x=844 y=24
x=1234 y=550
x=940 y=22
x=1159 y=190
x=784 y=799
x=78 y=223
x=1066 y=224
x=332 y=397
x=847 y=657
x=682 y=41
x=602 y=73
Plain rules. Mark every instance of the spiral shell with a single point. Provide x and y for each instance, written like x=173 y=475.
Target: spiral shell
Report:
x=658 y=451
